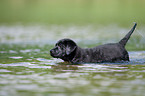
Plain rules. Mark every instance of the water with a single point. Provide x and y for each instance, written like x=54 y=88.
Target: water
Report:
x=27 y=69
x=50 y=77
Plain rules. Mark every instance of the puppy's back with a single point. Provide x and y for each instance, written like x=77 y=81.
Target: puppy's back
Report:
x=113 y=52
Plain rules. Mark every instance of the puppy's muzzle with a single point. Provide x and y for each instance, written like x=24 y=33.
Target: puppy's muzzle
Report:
x=52 y=52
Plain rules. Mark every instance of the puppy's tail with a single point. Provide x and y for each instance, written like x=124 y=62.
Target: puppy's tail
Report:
x=126 y=38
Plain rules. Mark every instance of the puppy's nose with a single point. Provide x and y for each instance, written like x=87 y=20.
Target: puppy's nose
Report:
x=51 y=51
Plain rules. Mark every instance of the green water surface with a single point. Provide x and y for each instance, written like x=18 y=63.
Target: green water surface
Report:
x=30 y=28
x=27 y=69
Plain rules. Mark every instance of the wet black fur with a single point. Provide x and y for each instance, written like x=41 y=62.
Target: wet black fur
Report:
x=68 y=50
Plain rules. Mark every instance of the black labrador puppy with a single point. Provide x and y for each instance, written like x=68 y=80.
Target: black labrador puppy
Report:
x=67 y=50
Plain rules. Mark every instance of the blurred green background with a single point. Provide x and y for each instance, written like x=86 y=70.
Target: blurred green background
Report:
x=122 y=12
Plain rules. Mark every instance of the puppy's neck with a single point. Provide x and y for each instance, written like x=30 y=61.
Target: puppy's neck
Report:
x=76 y=55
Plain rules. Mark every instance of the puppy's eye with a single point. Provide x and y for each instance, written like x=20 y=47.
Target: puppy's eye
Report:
x=62 y=46
x=59 y=45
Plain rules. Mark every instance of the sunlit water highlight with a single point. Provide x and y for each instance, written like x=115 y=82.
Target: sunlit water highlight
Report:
x=30 y=70
x=50 y=76
x=51 y=33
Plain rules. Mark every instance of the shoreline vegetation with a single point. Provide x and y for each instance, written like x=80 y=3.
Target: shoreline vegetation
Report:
x=78 y=12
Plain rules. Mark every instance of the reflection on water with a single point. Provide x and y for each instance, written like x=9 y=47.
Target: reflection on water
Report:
x=52 y=77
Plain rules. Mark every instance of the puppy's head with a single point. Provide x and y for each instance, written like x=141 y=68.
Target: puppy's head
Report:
x=63 y=49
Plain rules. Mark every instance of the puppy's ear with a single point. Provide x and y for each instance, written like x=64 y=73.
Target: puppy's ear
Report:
x=70 y=48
